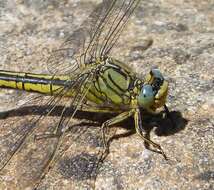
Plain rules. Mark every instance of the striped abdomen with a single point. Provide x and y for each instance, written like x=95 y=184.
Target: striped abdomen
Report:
x=45 y=84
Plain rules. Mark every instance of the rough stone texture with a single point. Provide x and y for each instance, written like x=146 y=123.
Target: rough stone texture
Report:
x=183 y=35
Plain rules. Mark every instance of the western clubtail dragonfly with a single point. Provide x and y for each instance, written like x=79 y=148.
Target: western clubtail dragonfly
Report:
x=83 y=76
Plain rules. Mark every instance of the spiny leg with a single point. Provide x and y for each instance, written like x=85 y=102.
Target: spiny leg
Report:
x=62 y=134
x=110 y=122
x=58 y=131
x=140 y=130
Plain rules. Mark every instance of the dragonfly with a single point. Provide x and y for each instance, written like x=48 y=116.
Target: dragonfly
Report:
x=84 y=76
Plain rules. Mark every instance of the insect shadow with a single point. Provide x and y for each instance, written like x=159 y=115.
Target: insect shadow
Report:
x=162 y=124
x=85 y=167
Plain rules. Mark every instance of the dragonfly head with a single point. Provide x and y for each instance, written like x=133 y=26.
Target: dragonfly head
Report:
x=154 y=91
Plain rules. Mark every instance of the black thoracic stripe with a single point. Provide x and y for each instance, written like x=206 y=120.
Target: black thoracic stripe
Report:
x=99 y=98
x=119 y=70
x=115 y=84
x=106 y=83
x=32 y=80
x=99 y=90
x=131 y=84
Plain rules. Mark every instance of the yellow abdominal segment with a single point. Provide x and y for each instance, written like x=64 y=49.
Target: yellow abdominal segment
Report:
x=45 y=84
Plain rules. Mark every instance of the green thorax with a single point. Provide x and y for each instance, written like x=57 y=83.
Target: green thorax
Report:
x=114 y=84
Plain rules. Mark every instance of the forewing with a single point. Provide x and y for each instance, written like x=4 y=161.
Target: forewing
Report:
x=27 y=159
x=21 y=157
x=94 y=39
x=109 y=27
x=67 y=58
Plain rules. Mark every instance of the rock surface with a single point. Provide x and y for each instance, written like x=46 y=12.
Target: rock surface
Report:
x=183 y=46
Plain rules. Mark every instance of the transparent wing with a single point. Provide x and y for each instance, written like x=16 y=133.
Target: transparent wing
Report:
x=29 y=159
x=109 y=27
x=19 y=153
x=94 y=39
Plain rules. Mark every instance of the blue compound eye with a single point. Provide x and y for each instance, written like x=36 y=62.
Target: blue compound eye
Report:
x=146 y=96
x=157 y=74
